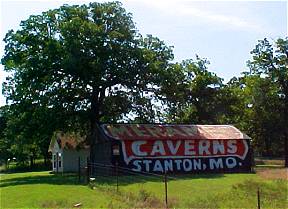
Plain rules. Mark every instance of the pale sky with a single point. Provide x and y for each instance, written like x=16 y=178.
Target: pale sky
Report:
x=224 y=32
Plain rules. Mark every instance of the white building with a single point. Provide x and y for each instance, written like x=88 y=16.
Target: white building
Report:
x=67 y=150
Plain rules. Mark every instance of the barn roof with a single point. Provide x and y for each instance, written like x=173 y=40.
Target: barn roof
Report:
x=68 y=141
x=171 y=132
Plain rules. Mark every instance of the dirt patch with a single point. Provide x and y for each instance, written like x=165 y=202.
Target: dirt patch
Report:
x=279 y=173
x=269 y=161
x=54 y=204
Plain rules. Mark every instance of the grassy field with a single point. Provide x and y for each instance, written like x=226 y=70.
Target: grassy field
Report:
x=44 y=190
x=207 y=191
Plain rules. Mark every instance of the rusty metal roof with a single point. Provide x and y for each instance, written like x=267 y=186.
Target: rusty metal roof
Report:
x=171 y=132
x=68 y=141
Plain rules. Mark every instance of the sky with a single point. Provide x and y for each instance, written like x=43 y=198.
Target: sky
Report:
x=224 y=32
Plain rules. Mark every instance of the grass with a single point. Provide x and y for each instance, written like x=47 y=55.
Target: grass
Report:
x=45 y=190
x=217 y=191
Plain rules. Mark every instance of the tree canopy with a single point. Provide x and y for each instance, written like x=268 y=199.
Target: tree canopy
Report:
x=79 y=58
x=86 y=62
x=270 y=60
x=76 y=66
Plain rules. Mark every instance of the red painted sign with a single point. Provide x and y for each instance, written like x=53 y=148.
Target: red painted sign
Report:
x=159 y=148
x=183 y=148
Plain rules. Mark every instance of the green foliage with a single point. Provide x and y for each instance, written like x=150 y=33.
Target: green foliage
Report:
x=5 y=144
x=270 y=92
x=76 y=66
x=195 y=95
x=253 y=99
x=80 y=58
x=191 y=92
x=266 y=128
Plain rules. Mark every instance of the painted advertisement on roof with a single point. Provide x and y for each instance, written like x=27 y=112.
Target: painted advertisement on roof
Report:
x=185 y=148
x=164 y=132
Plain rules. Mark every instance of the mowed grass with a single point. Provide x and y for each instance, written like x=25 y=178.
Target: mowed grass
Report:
x=44 y=190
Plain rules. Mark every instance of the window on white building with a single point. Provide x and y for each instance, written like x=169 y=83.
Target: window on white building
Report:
x=59 y=160
x=54 y=161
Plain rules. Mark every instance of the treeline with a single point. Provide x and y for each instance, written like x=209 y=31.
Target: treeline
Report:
x=76 y=66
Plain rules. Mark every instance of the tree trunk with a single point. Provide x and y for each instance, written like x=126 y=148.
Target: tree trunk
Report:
x=46 y=159
x=284 y=84
x=93 y=139
x=267 y=145
x=31 y=162
x=94 y=120
x=286 y=149
x=285 y=127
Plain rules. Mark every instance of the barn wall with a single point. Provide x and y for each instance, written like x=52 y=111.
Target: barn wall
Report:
x=70 y=159
x=103 y=153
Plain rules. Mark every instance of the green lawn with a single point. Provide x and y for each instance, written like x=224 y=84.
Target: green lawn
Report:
x=44 y=190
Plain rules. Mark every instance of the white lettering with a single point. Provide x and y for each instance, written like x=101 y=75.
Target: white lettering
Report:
x=204 y=147
x=187 y=165
x=158 y=148
x=173 y=149
x=178 y=162
x=168 y=165
x=231 y=162
x=197 y=164
x=137 y=164
x=232 y=146
x=189 y=147
x=216 y=163
x=136 y=148
x=218 y=146
x=158 y=166
x=147 y=164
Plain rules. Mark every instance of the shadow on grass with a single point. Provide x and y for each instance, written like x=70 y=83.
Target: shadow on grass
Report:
x=56 y=179
x=72 y=179
x=123 y=180
x=108 y=176
x=21 y=168
x=24 y=170
x=109 y=180
x=196 y=176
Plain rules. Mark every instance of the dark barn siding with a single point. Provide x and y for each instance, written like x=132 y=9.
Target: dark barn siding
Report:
x=103 y=155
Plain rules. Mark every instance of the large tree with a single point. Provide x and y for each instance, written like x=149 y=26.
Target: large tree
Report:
x=271 y=59
x=5 y=144
x=256 y=97
x=191 y=92
x=84 y=60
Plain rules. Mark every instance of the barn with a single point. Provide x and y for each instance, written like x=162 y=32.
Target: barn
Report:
x=67 y=149
x=157 y=148
x=175 y=148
